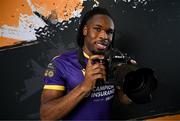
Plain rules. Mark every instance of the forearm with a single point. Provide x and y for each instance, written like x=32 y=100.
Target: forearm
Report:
x=58 y=108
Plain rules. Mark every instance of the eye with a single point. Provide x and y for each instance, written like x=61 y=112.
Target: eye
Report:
x=97 y=29
x=110 y=32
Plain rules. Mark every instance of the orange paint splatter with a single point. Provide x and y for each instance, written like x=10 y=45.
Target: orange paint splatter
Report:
x=63 y=8
x=10 y=11
x=8 y=41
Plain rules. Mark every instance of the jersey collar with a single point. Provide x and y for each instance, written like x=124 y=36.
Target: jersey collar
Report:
x=85 y=55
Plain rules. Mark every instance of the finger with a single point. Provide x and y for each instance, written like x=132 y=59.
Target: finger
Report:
x=98 y=76
x=98 y=71
x=101 y=72
x=98 y=65
x=98 y=57
x=104 y=76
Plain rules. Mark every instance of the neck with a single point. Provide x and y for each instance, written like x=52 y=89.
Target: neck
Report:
x=87 y=51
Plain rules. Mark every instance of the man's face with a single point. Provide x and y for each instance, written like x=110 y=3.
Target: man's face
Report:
x=98 y=34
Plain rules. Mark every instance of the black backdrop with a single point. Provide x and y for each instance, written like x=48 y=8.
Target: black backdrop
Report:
x=150 y=33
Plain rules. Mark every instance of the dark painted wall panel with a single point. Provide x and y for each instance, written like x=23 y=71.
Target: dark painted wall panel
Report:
x=149 y=33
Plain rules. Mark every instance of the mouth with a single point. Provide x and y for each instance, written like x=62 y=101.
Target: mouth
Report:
x=102 y=45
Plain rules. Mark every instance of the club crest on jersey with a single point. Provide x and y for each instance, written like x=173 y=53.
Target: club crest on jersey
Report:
x=49 y=72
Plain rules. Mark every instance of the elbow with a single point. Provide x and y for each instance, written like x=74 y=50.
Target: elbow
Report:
x=48 y=114
x=43 y=114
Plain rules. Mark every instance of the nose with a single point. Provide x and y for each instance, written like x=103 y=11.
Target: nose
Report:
x=103 y=35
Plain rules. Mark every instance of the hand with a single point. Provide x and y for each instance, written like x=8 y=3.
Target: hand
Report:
x=93 y=72
x=123 y=98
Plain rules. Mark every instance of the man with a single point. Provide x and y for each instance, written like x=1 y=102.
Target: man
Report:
x=71 y=91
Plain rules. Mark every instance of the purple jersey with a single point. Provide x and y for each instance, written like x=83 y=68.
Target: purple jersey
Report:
x=65 y=73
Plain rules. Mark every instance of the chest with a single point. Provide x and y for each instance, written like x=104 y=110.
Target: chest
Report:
x=74 y=76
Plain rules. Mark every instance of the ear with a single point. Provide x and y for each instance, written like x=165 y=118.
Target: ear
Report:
x=85 y=30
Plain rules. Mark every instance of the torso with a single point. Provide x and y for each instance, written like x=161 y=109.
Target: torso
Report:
x=97 y=104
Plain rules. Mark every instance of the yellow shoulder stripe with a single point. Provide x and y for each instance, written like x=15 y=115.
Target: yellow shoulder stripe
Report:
x=54 y=87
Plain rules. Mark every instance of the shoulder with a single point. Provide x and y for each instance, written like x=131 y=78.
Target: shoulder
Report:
x=62 y=63
x=66 y=58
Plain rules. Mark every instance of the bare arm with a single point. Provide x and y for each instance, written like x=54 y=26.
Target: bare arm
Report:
x=55 y=106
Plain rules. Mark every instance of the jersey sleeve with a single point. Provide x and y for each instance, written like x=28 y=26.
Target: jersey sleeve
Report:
x=53 y=76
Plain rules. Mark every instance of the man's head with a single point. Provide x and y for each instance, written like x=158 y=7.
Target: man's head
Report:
x=96 y=31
